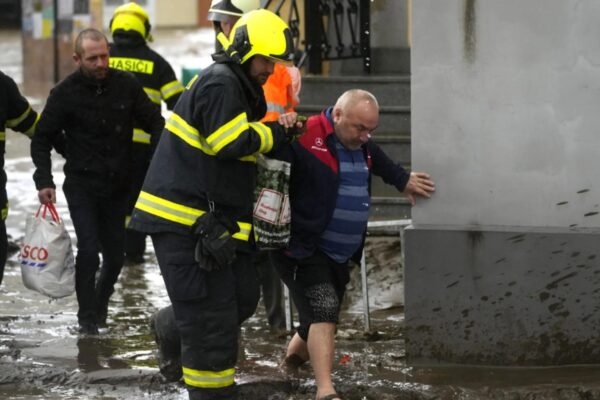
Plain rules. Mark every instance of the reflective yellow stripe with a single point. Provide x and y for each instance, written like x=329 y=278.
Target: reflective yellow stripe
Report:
x=244 y=232
x=180 y=128
x=29 y=132
x=2 y=136
x=132 y=65
x=5 y=212
x=266 y=136
x=228 y=132
x=170 y=89
x=209 y=379
x=191 y=82
x=11 y=123
x=140 y=136
x=250 y=158
x=127 y=219
x=181 y=214
x=154 y=95
x=167 y=209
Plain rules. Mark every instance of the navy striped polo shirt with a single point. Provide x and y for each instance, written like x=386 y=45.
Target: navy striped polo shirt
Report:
x=344 y=233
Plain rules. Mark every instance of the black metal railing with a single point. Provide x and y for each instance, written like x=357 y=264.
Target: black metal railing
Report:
x=333 y=30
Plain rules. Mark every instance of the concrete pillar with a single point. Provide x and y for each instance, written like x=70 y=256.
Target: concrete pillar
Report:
x=502 y=264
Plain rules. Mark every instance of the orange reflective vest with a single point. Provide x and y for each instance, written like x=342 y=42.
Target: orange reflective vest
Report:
x=278 y=93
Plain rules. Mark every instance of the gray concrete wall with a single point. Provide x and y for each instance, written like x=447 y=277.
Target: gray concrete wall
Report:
x=501 y=265
x=505 y=111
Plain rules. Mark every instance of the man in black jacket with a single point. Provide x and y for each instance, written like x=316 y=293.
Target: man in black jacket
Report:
x=94 y=109
x=130 y=28
x=16 y=114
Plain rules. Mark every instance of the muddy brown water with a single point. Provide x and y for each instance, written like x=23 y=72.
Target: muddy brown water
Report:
x=41 y=356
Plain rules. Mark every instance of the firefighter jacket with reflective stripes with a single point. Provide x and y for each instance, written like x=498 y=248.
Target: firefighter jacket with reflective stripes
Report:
x=278 y=93
x=15 y=114
x=207 y=152
x=96 y=121
x=129 y=52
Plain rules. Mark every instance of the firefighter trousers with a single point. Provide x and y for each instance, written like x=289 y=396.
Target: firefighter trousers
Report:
x=209 y=308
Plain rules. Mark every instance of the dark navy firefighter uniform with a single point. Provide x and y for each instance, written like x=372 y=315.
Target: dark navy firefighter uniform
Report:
x=129 y=52
x=206 y=159
x=16 y=114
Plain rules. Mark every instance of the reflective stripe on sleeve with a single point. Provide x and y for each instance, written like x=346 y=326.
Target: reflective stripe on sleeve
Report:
x=11 y=123
x=209 y=379
x=140 y=136
x=29 y=132
x=171 y=89
x=265 y=134
x=228 y=132
x=2 y=136
x=180 y=128
x=244 y=232
x=154 y=95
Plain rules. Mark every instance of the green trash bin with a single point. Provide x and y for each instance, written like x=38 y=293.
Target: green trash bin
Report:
x=188 y=73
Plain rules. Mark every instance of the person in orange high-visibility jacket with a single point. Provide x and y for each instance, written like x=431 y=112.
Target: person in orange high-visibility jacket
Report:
x=281 y=91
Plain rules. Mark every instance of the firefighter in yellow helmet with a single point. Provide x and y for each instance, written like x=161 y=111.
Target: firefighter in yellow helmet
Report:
x=197 y=198
x=130 y=28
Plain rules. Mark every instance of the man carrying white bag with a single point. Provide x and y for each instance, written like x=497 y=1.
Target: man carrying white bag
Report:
x=47 y=262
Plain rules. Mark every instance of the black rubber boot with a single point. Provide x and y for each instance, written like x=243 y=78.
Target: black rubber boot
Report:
x=167 y=339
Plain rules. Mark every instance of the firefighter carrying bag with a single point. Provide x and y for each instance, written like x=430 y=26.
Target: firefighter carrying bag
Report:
x=47 y=263
x=272 y=215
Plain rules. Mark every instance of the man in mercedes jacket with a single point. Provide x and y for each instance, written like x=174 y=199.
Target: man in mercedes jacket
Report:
x=332 y=163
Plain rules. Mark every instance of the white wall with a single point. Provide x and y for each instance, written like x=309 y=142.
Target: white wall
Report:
x=507 y=120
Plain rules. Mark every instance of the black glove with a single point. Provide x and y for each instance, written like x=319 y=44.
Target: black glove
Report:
x=295 y=132
x=215 y=247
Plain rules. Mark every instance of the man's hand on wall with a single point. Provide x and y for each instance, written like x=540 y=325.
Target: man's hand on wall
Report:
x=419 y=184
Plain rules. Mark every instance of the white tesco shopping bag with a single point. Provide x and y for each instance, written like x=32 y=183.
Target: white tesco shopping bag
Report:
x=47 y=263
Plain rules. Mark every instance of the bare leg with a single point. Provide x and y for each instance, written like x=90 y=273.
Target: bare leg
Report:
x=296 y=355
x=321 y=346
x=297 y=346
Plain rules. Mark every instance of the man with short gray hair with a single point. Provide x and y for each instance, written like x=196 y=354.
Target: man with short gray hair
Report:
x=332 y=163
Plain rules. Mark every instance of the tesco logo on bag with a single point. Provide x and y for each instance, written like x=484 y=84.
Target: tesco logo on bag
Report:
x=34 y=256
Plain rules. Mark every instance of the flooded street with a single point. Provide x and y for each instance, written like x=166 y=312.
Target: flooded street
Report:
x=42 y=356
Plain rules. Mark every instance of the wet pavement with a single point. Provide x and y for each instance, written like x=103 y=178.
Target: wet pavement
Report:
x=42 y=357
